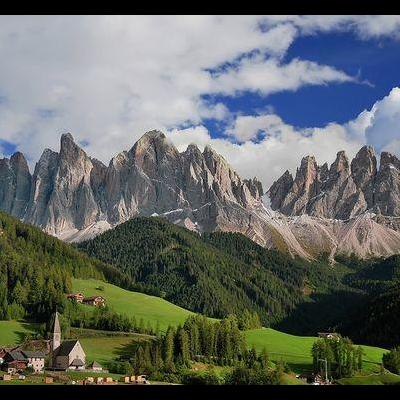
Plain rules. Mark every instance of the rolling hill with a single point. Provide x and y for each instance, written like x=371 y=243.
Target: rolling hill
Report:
x=141 y=306
x=296 y=350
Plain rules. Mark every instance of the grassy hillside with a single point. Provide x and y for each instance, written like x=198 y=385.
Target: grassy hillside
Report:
x=13 y=332
x=36 y=269
x=139 y=305
x=296 y=350
x=372 y=379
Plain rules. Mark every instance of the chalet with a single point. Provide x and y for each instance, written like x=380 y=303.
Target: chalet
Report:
x=35 y=360
x=15 y=361
x=97 y=301
x=66 y=355
x=78 y=297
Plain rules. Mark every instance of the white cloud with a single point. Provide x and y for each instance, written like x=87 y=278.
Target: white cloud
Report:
x=270 y=76
x=107 y=79
x=283 y=146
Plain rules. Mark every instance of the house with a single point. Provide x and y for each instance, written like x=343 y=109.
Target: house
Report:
x=35 y=360
x=97 y=301
x=95 y=366
x=66 y=355
x=78 y=297
x=3 y=352
x=328 y=335
x=14 y=361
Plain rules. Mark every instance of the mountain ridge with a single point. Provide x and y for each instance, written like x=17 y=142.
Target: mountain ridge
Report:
x=75 y=197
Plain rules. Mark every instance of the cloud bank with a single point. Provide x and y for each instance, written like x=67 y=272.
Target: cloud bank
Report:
x=282 y=146
x=108 y=79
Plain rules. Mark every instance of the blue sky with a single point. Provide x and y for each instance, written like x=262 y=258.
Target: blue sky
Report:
x=375 y=61
x=263 y=98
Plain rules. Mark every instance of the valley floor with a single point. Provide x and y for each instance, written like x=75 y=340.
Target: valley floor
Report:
x=103 y=346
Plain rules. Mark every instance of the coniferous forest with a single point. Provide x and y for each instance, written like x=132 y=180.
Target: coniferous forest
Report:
x=216 y=274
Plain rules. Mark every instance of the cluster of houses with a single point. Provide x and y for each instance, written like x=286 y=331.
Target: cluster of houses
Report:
x=97 y=301
x=15 y=360
x=64 y=355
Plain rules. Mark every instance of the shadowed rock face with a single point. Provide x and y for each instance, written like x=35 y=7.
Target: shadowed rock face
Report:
x=15 y=184
x=76 y=197
x=343 y=192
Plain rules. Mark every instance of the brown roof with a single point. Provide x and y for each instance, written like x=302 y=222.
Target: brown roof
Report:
x=93 y=298
x=77 y=363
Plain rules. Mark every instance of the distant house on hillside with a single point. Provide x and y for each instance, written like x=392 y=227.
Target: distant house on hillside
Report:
x=97 y=301
x=328 y=335
x=78 y=297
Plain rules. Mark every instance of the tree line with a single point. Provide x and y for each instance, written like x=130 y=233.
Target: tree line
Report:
x=168 y=357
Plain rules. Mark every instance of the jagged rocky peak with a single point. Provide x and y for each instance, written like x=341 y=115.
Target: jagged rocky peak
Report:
x=363 y=166
x=307 y=172
x=388 y=159
x=341 y=164
x=279 y=189
x=255 y=187
x=347 y=190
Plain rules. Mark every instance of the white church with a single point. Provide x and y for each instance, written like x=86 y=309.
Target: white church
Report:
x=67 y=354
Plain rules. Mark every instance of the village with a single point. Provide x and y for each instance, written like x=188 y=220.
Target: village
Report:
x=59 y=361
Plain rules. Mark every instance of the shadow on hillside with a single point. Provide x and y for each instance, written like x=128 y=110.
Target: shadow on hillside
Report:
x=325 y=312
x=125 y=351
x=30 y=329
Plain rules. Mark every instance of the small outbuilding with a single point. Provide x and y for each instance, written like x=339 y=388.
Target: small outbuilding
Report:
x=95 y=366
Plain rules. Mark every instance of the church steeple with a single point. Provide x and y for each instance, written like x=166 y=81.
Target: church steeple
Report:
x=56 y=334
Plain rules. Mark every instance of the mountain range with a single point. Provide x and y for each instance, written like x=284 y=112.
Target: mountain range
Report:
x=349 y=207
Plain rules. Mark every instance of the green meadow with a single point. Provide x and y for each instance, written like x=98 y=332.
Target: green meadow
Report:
x=13 y=332
x=133 y=304
x=104 y=347
x=296 y=350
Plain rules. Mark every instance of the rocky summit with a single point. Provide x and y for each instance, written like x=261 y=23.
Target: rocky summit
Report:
x=343 y=191
x=345 y=208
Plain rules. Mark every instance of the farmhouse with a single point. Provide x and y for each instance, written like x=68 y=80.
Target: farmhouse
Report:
x=78 y=297
x=14 y=361
x=66 y=355
x=97 y=301
x=35 y=360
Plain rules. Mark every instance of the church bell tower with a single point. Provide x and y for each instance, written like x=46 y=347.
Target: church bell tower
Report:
x=56 y=339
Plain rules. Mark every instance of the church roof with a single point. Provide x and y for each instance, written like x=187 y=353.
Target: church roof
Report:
x=77 y=363
x=66 y=347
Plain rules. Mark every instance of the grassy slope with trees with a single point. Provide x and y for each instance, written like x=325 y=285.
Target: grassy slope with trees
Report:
x=151 y=309
x=36 y=270
x=218 y=274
